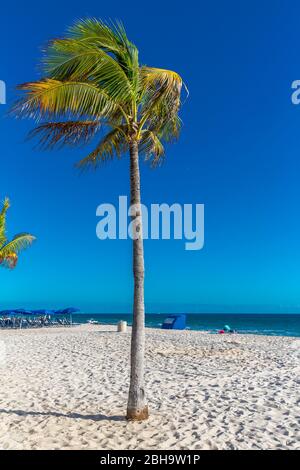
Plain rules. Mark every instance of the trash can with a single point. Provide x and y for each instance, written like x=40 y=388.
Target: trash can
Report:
x=174 y=322
x=122 y=326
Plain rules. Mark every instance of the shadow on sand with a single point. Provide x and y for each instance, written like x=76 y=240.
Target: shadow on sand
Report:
x=97 y=417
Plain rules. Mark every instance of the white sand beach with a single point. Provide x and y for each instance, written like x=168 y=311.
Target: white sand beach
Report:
x=66 y=388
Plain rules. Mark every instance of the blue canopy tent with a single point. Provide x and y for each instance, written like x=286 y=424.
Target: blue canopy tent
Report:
x=175 y=322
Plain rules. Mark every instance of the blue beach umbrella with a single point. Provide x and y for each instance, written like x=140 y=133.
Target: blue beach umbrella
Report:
x=23 y=311
x=6 y=312
x=67 y=311
x=43 y=311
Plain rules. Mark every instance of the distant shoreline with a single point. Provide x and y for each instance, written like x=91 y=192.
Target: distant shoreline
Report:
x=113 y=326
x=255 y=324
x=269 y=325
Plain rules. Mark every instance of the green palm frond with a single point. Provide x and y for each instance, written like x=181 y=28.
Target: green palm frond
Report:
x=154 y=79
x=161 y=91
x=18 y=243
x=167 y=131
x=10 y=249
x=113 y=144
x=151 y=147
x=70 y=133
x=48 y=98
x=72 y=60
x=111 y=38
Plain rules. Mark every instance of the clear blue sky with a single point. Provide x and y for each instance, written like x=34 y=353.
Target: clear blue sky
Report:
x=239 y=154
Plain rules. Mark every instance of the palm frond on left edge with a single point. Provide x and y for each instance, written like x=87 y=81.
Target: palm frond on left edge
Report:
x=5 y=207
x=9 y=249
x=18 y=243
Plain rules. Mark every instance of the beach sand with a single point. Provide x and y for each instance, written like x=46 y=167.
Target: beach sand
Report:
x=66 y=388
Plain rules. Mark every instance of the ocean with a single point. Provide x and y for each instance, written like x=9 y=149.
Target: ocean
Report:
x=259 y=324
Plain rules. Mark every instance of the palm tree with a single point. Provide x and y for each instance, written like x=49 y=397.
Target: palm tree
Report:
x=93 y=83
x=9 y=249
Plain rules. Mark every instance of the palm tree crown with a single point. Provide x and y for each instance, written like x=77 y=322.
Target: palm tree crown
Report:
x=9 y=249
x=92 y=83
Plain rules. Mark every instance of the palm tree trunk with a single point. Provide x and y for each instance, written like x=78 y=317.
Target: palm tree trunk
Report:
x=137 y=408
